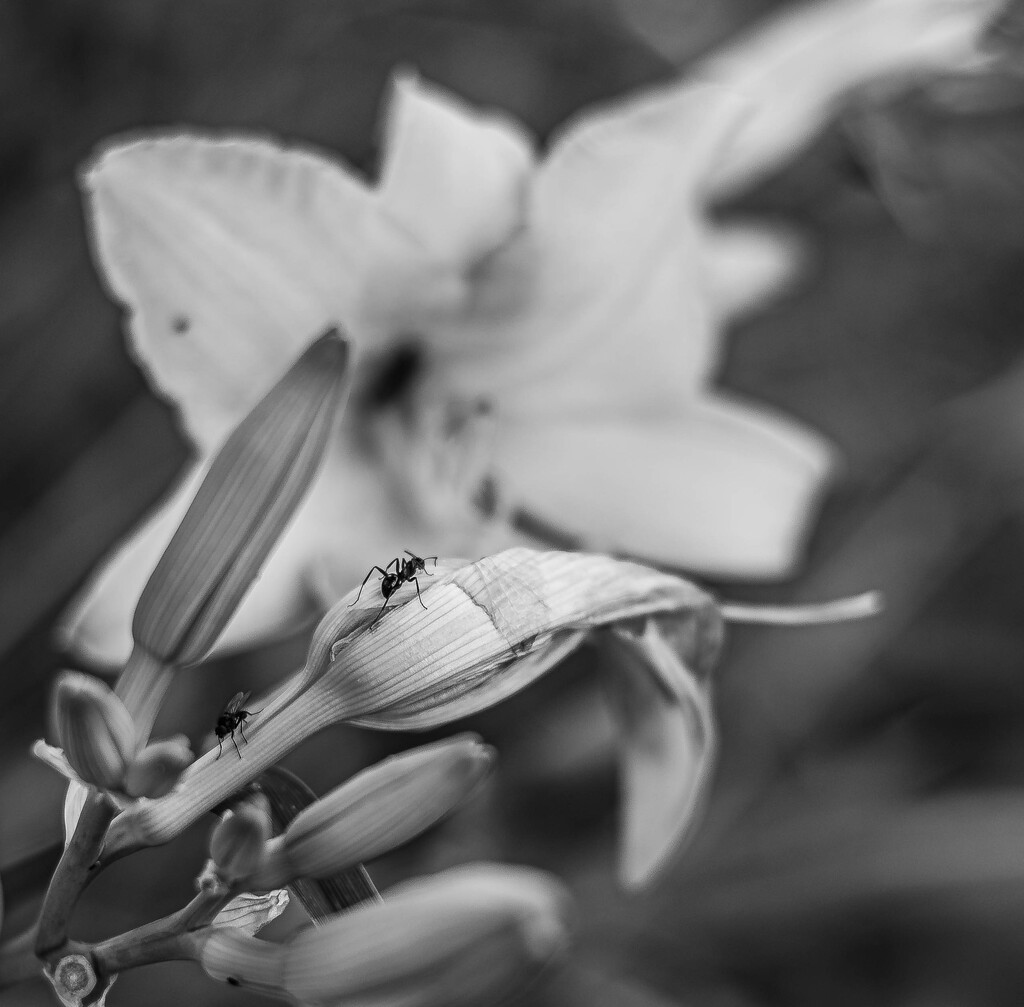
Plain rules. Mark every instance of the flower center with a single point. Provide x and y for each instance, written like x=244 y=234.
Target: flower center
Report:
x=435 y=449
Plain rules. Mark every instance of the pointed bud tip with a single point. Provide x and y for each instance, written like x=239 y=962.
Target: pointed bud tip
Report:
x=95 y=730
x=329 y=353
x=238 y=843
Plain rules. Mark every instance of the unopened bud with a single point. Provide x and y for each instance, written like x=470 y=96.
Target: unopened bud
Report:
x=463 y=937
x=378 y=810
x=253 y=486
x=233 y=956
x=158 y=767
x=239 y=840
x=95 y=730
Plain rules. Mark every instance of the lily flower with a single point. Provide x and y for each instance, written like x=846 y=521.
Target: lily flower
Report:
x=536 y=337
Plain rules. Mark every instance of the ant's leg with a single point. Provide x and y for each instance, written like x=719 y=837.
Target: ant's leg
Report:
x=235 y=743
x=425 y=570
x=366 y=578
x=418 y=595
x=379 y=614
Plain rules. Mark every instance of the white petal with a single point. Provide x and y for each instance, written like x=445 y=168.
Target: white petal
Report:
x=453 y=177
x=97 y=625
x=746 y=266
x=668 y=746
x=606 y=278
x=230 y=256
x=797 y=65
x=717 y=487
x=451 y=192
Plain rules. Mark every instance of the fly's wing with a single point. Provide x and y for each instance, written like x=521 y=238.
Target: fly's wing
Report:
x=236 y=702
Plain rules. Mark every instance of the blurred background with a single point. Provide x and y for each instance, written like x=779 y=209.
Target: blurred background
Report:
x=865 y=838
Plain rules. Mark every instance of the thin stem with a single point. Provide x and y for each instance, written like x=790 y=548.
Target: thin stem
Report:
x=72 y=875
x=171 y=938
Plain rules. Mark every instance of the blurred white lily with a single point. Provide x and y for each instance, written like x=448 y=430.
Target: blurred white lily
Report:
x=535 y=338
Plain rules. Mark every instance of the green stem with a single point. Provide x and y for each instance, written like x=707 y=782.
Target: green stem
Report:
x=72 y=875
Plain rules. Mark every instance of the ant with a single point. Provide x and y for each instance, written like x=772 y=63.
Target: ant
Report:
x=405 y=572
x=233 y=718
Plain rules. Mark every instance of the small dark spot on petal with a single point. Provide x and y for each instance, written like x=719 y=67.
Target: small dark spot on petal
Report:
x=232 y=981
x=180 y=324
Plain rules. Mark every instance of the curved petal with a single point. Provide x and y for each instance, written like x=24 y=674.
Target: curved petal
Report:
x=229 y=255
x=798 y=64
x=453 y=178
x=717 y=487
x=747 y=266
x=668 y=742
x=607 y=275
x=451 y=192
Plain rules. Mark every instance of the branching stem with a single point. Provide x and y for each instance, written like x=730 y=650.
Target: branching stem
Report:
x=72 y=875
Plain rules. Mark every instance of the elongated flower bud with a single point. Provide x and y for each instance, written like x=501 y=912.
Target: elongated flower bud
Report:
x=376 y=811
x=239 y=840
x=466 y=936
x=248 y=496
x=95 y=730
x=158 y=767
x=489 y=629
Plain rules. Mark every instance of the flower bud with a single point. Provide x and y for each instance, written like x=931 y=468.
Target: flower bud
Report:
x=234 y=957
x=378 y=810
x=239 y=840
x=462 y=937
x=254 y=484
x=158 y=767
x=95 y=730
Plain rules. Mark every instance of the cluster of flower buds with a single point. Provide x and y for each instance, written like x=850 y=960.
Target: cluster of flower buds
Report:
x=376 y=811
x=462 y=937
x=102 y=746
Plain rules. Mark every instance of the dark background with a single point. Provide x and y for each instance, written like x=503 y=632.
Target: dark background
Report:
x=864 y=840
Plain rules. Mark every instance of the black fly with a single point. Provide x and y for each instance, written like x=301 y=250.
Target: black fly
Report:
x=233 y=719
x=404 y=573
